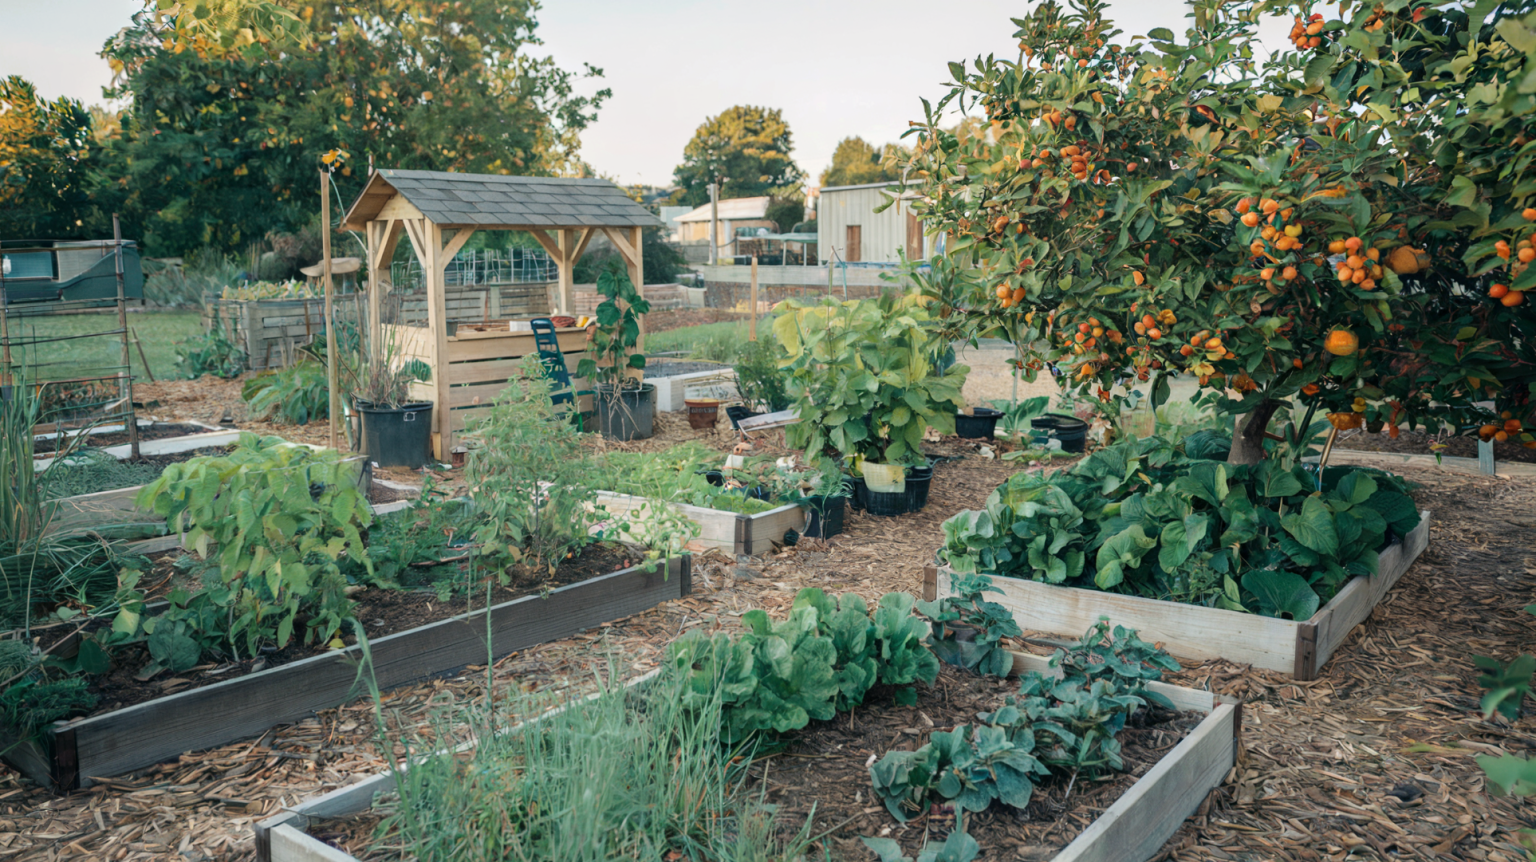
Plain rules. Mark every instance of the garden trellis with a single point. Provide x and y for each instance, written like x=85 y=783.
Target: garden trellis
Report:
x=438 y=212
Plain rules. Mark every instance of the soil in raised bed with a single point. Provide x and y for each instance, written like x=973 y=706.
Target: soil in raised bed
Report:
x=381 y=611
x=1417 y=443
x=156 y=431
x=825 y=768
x=67 y=481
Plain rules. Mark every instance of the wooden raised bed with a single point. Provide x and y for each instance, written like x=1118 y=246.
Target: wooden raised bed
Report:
x=1131 y=830
x=731 y=532
x=1296 y=647
x=115 y=742
x=672 y=391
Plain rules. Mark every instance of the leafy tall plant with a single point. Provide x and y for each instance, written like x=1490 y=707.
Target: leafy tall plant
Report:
x=214 y=352
x=529 y=475
x=759 y=379
x=863 y=376
x=284 y=519
x=612 y=355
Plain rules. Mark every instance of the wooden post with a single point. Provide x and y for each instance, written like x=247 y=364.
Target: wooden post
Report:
x=714 y=224
x=566 y=265
x=437 y=322
x=637 y=275
x=752 y=301
x=125 y=379
x=330 y=317
x=372 y=231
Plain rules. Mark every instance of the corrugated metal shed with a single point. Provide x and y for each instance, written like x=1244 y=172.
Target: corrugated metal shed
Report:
x=493 y=200
x=848 y=228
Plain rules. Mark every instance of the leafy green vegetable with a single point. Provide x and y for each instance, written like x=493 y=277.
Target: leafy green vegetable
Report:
x=1159 y=520
x=967 y=630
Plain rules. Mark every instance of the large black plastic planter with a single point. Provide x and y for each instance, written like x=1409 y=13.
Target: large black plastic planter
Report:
x=980 y=424
x=1071 y=431
x=823 y=516
x=911 y=499
x=628 y=413
x=396 y=436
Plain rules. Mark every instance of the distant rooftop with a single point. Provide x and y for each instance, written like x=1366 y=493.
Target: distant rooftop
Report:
x=732 y=209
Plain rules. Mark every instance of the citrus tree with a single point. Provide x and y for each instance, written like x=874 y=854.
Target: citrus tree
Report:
x=1346 y=225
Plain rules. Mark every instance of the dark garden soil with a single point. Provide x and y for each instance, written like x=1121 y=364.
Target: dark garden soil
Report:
x=382 y=612
x=379 y=494
x=826 y=768
x=156 y=431
x=1417 y=443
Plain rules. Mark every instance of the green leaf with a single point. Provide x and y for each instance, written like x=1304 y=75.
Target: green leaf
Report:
x=1509 y=774
x=1281 y=594
x=1313 y=527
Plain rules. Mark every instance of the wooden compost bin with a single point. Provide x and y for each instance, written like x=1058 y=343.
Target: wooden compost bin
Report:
x=479 y=365
x=1133 y=829
x=73 y=752
x=271 y=330
x=1296 y=647
x=733 y=532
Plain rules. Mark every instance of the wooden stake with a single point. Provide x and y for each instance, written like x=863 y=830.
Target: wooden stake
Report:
x=330 y=320
x=752 y=321
x=142 y=358
x=125 y=380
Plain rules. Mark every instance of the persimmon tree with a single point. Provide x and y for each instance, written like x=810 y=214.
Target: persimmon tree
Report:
x=1345 y=226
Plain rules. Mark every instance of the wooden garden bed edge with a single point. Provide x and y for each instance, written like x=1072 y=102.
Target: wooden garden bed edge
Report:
x=1133 y=829
x=1299 y=648
x=136 y=736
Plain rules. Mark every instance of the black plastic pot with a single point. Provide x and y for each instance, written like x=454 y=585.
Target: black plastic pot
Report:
x=980 y=425
x=397 y=436
x=912 y=498
x=919 y=479
x=626 y=413
x=823 y=516
x=1070 y=430
x=738 y=412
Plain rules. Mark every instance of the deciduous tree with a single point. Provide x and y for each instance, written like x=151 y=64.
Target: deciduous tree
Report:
x=746 y=149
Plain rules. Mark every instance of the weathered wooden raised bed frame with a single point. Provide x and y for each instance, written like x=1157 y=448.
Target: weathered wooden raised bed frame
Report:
x=1296 y=647
x=732 y=532
x=137 y=736
x=1131 y=830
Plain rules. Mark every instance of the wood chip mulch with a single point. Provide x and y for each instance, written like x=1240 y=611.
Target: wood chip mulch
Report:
x=1374 y=761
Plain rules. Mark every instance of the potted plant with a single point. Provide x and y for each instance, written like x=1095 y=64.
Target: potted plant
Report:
x=821 y=491
x=866 y=386
x=626 y=405
x=396 y=431
x=759 y=381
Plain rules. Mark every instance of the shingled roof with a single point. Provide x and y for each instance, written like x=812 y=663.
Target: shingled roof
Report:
x=501 y=201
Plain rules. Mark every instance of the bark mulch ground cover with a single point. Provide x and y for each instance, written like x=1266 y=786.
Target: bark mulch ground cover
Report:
x=1373 y=761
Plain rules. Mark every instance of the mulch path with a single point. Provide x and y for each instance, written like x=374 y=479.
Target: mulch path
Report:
x=156 y=431
x=1373 y=761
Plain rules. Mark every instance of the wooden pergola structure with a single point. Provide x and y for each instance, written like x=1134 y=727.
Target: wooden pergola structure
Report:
x=438 y=212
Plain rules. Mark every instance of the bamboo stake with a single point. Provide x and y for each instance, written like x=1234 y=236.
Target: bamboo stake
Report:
x=125 y=379
x=330 y=320
x=752 y=324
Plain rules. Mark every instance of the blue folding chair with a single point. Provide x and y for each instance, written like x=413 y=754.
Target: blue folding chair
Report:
x=562 y=391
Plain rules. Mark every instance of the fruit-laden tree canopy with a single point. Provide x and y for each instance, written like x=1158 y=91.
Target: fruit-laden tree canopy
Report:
x=221 y=144
x=746 y=149
x=45 y=150
x=1348 y=223
x=856 y=161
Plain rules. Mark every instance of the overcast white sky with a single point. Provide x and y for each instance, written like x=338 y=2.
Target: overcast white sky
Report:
x=835 y=67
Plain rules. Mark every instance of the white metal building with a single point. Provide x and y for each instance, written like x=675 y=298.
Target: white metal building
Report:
x=849 y=230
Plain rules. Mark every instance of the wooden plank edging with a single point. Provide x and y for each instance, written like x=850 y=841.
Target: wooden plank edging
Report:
x=147 y=733
x=1300 y=648
x=1133 y=829
x=733 y=532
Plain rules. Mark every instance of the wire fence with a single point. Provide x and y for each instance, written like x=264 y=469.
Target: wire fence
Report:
x=473 y=267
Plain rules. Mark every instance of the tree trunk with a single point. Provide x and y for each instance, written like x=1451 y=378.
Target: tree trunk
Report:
x=1248 y=434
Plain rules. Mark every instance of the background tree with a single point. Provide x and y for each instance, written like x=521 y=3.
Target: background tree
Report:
x=1345 y=231
x=220 y=147
x=856 y=161
x=46 y=149
x=746 y=149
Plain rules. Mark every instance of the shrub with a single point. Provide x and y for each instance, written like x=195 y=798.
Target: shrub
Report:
x=296 y=395
x=213 y=352
x=759 y=379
